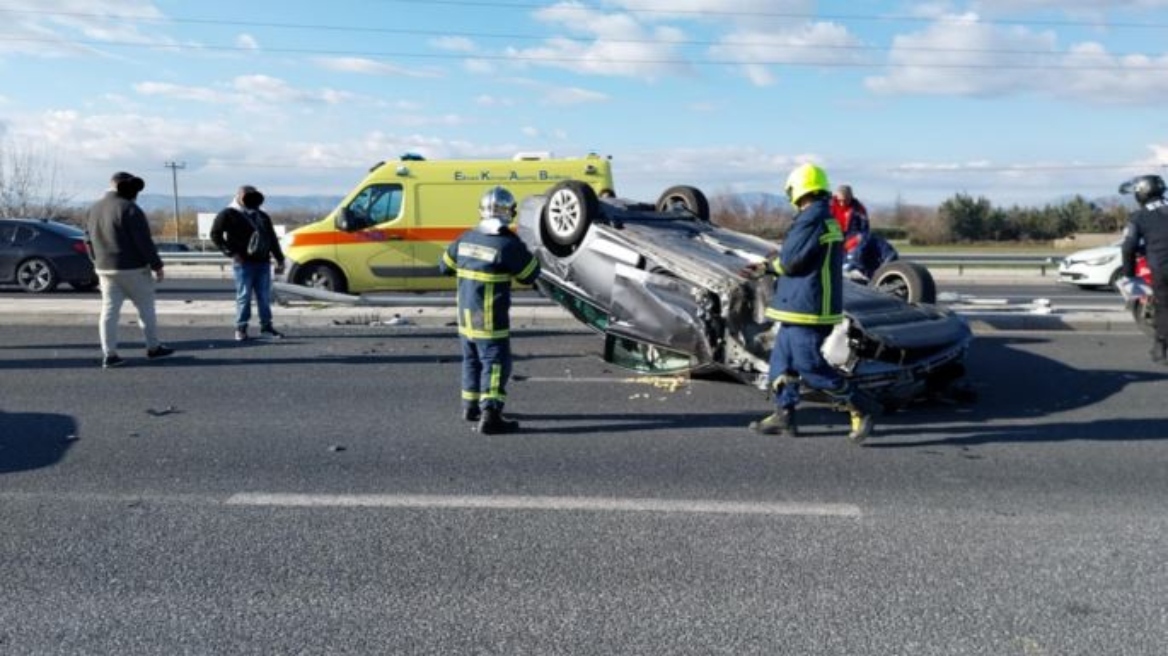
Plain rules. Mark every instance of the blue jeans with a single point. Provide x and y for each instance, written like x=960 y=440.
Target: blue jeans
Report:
x=796 y=355
x=253 y=278
x=486 y=368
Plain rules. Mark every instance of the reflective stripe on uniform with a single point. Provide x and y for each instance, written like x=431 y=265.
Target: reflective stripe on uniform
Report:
x=803 y=318
x=473 y=333
x=494 y=393
x=529 y=269
x=481 y=276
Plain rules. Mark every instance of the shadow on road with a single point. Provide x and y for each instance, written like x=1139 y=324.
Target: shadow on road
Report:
x=1015 y=383
x=32 y=440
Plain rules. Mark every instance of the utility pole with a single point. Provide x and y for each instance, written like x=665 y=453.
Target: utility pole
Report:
x=174 y=167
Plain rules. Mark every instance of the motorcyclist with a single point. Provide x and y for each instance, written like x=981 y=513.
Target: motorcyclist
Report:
x=807 y=305
x=486 y=259
x=1147 y=229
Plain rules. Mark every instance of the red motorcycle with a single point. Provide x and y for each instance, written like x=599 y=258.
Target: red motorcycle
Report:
x=1143 y=309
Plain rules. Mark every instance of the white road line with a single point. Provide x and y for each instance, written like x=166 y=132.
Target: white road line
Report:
x=561 y=504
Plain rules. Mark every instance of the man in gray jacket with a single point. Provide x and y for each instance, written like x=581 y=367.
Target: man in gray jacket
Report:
x=124 y=256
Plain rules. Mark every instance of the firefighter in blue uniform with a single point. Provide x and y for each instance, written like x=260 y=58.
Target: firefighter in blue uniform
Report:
x=486 y=258
x=807 y=305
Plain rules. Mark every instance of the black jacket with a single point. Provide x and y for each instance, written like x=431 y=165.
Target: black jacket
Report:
x=1147 y=230
x=232 y=230
x=120 y=235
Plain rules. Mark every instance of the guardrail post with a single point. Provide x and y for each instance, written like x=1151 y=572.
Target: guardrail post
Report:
x=961 y=269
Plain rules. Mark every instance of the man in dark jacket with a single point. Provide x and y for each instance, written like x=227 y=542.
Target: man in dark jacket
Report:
x=486 y=259
x=124 y=256
x=1147 y=231
x=807 y=305
x=245 y=233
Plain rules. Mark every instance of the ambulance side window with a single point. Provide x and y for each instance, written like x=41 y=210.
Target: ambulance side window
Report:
x=376 y=204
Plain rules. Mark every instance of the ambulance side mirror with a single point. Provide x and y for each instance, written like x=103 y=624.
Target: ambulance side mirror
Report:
x=349 y=221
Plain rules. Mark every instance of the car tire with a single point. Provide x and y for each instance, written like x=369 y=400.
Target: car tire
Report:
x=85 y=286
x=1144 y=312
x=322 y=276
x=688 y=198
x=907 y=281
x=36 y=276
x=1115 y=276
x=571 y=206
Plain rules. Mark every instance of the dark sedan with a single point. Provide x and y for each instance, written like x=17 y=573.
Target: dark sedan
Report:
x=39 y=254
x=664 y=286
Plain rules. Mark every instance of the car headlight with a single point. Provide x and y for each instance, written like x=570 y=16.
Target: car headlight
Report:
x=1099 y=261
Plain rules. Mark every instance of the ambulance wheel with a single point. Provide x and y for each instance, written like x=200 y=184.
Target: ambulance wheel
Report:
x=323 y=276
x=571 y=207
x=907 y=281
x=687 y=199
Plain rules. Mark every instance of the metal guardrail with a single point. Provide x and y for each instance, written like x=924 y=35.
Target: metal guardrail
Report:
x=957 y=261
x=195 y=257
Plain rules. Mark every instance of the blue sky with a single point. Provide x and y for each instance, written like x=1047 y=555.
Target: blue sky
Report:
x=1023 y=101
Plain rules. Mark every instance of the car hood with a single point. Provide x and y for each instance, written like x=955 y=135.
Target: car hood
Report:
x=1094 y=253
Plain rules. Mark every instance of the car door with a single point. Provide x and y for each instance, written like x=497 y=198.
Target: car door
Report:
x=376 y=252
x=8 y=256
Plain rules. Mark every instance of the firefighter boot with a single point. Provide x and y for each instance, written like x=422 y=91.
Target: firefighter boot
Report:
x=782 y=422
x=471 y=412
x=862 y=412
x=1159 y=352
x=493 y=423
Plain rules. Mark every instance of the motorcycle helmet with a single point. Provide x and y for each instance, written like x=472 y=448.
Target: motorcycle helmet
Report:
x=497 y=203
x=1145 y=188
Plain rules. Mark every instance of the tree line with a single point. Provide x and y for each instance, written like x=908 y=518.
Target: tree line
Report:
x=959 y=219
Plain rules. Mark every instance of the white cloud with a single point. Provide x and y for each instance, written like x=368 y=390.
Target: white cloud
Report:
x=812 y=43
x=478 y=66
x=493 y=101
x=1069 y=6
x=367 y=66
x=572 y=96
x=453 y=43
x=613 y=44
x=30 y=30
x=250 y=92
x=529 y=131
x=247 y=42
x=964 y=56
x=757 y=13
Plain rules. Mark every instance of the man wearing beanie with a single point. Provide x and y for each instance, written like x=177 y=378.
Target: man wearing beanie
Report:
x=125 y=257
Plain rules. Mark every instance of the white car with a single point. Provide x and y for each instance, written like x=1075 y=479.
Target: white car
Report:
x=1095 y=267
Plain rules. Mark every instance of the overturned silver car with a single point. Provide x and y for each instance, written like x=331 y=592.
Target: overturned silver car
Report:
x=663 y=285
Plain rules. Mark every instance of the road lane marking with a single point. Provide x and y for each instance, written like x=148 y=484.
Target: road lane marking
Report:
x=560 y=504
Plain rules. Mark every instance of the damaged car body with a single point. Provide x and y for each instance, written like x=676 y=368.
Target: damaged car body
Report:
x=664 y=286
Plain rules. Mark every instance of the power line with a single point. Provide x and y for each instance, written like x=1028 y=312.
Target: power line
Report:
x=562 y=59
x=696 y=13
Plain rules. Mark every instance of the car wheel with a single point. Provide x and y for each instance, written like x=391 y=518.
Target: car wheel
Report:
x=571 y=206
x=907 y=281
x=85 y=286
x=322 y=276
x=1144 y=313
x=36 y=276
x=1115 y=276
x=689 y=199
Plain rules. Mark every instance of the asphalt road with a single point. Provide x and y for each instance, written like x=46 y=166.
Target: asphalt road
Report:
x=321 y=495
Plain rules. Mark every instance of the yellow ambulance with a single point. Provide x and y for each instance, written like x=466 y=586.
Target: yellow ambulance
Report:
x=389 y=232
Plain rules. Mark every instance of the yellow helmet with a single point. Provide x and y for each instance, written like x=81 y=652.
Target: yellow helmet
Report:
x=805 y=179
